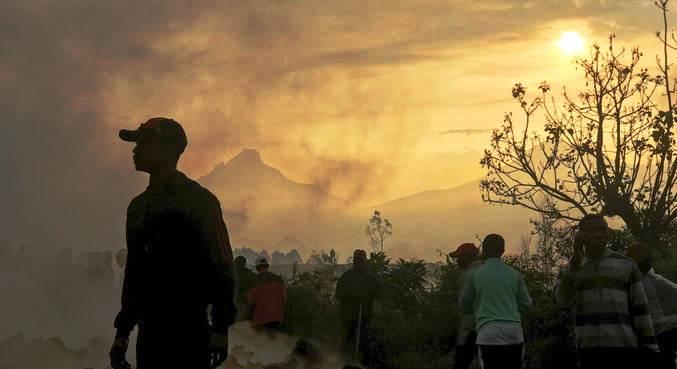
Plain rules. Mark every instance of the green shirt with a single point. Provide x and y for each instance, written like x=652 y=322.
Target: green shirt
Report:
x=495 y=292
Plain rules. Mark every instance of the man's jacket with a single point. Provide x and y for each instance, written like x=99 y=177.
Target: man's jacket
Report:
x=354 y=288
x=267 y=297
x=179 y=260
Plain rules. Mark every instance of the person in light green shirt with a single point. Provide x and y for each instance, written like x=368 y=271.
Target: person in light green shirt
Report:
x=496 y=294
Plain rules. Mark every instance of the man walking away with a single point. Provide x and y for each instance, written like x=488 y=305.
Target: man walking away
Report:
x=606 y=290
x=179 y=262
x=267 y=298
x=467 y=258
x=245 y=279
x=496 y=294
x=661 y=295
x=356 y=291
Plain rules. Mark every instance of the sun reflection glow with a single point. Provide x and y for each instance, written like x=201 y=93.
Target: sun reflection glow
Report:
x=571 y=43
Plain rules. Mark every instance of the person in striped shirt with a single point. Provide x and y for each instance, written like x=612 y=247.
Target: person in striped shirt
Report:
x=662 y=296
x=613 y=325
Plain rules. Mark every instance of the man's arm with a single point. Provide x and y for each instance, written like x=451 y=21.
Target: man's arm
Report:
x=523 y=298
x=128 y=315
x=214 y=237
x=564 y=293
x=467 y=297
x=639 y=311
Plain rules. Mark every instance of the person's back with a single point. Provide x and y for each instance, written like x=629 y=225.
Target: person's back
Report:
x=661 y=296
x=356 y=291
x=496 y=294
x=267 y=298
x=499 y=296
x=467 y=258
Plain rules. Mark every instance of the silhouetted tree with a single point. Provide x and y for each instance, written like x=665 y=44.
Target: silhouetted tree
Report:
x=378 y=230
x=608 y=149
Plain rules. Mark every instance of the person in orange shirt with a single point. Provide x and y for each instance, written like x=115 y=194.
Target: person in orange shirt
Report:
x=267 y=298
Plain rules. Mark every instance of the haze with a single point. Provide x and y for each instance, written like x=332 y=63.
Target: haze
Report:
x=370 y=102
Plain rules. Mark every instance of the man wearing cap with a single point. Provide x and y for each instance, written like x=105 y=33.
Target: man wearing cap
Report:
x=267 y=298
x=356 y=291
x=467 y=258
x=178 y=263
x=496 y=294
x=661 y=295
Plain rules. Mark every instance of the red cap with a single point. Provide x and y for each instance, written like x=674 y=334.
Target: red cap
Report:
x=465 y=249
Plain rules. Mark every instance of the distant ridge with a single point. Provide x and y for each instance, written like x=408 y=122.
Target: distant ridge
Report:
x=260 y=203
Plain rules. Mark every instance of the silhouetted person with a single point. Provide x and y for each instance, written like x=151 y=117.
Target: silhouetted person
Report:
x=496 y=294
x=245 y=279
x=179 y=261
x=267 y=298
x=467 y=258
x=612 y=314
x=661 y=294
x=356 y=291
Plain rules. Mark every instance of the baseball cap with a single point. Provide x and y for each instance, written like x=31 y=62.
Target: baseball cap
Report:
x=166 y=129
x=465 y=249
x=261 y=260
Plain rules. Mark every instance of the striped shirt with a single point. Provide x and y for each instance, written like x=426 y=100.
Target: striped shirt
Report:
x=610 y=303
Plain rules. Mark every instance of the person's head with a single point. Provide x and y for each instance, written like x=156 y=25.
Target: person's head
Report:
x=642 y=254
x=261 y=264
x=240 y=262
x=595 y=232
x=359 y=258
x=493 y=246
x=159 y=144
x=465 y=254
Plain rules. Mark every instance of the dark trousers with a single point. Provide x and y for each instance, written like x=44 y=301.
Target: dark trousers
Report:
x=466 y=353
x=668 y=344
x=609 y=357
x=350 y=339
x=161 y=347
x=502 y=356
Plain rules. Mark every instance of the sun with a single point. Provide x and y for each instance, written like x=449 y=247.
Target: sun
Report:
x=571 y=43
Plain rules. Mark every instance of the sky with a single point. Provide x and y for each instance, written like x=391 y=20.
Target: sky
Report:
x=371 y=100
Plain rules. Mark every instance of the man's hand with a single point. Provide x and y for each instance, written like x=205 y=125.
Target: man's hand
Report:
x=579 y=241
x=218 y=349
x=118 y=352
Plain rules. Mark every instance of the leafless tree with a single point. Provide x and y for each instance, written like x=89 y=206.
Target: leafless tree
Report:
x=608 y=149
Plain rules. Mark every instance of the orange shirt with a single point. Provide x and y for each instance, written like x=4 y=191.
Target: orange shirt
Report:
x=268 y=297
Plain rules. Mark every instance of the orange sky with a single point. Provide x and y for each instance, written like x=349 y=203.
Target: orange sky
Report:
x=373 y=102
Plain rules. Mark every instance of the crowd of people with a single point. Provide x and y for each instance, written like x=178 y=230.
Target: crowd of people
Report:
x=625 y=314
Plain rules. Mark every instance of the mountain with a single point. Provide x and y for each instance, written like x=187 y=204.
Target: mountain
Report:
x=443 y=219
x=260 y=203
x=262 y=207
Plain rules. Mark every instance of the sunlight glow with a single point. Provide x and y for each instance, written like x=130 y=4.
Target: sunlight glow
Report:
x=571 y=43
